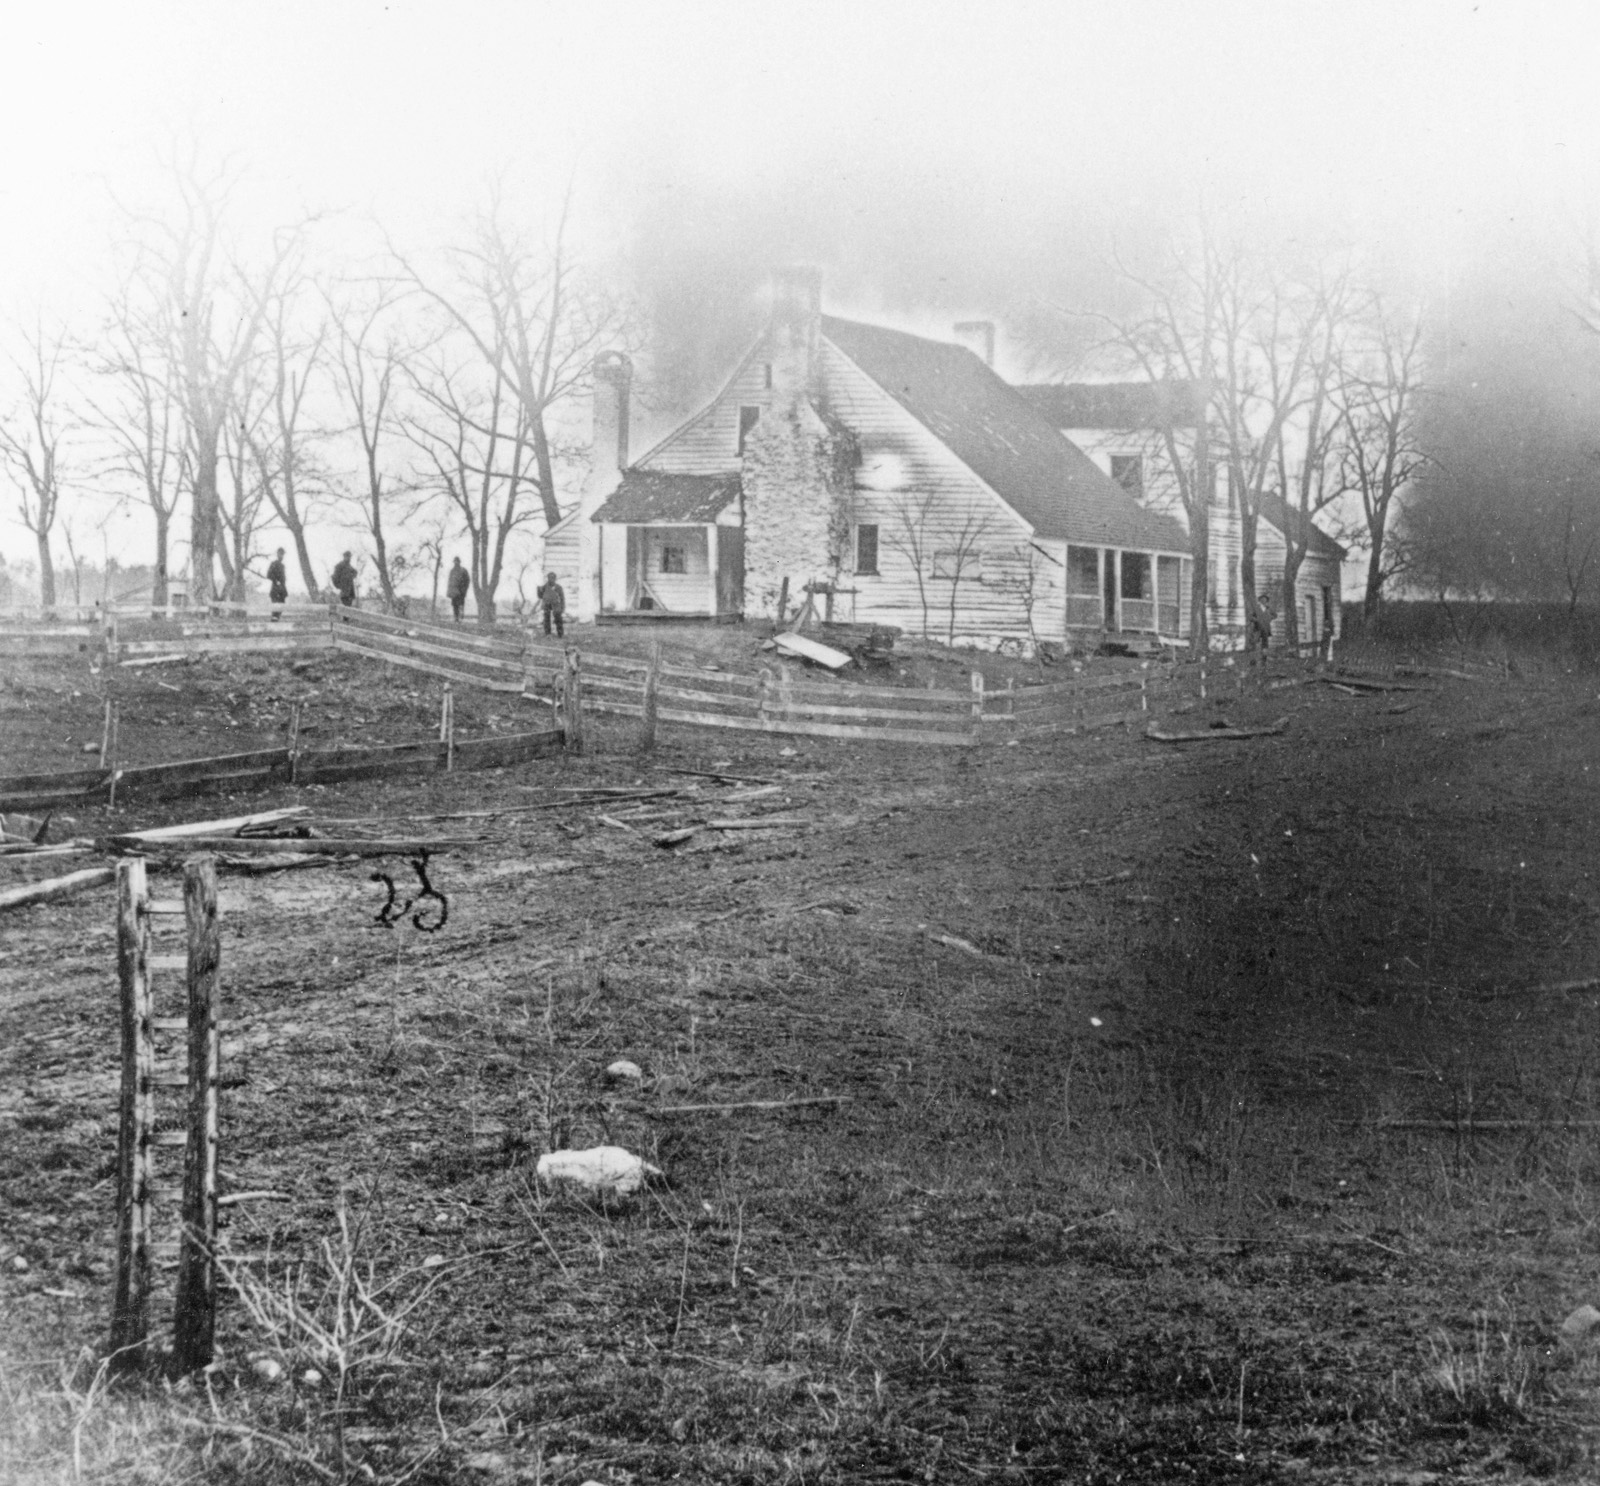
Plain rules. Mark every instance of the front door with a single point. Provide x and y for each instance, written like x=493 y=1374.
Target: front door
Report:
x=730 y=570
x=1109 y=579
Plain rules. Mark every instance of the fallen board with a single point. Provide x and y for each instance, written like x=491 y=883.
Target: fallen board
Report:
x=1213 y=735
x=57 y=887
x=299 y=845
x=812 y=650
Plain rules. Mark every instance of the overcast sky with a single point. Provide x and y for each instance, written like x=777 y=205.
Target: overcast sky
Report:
x=940 y=159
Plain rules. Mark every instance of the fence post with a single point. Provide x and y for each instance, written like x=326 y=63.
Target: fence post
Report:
x=572 y=700
x=116 y=725
x=105 y=735
x=977 y=703
x=444 y=714
x=1203 y=675
x=647 y=708
x=294 y=743
x=129 y=1324
x=195 y=1314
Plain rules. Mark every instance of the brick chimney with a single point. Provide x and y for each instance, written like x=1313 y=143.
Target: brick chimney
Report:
x=613 y=382
x=978 y=337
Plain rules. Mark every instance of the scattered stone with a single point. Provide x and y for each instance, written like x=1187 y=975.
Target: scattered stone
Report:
x=311 y=1378
x=488 y=1463
x=1580 y=1323
x=623 y=1071
x=433 y=1261
x=19 y=1264
x=601 y=1168
x=268 y=1369
x=90 y=748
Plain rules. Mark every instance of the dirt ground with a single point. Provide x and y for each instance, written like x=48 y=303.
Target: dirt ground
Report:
x=1149 y=1160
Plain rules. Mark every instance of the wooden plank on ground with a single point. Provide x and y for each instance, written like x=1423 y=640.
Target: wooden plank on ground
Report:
x=68 y=779
x=229 y=827
x=315 y=845
x=54 y=888
x=196 y=770
x=812 y=650
x=512 y=748
x=1214 y=735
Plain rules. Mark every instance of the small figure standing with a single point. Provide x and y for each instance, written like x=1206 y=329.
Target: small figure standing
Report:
x=344 y=581
x=277 y=584
x=455 y=588
x=552 y=597
x=1266 y=612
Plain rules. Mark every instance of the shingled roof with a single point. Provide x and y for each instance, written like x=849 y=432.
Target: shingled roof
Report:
x=1116 y=404
x=1290 y=520
x=1005 y=440
x=658 y=495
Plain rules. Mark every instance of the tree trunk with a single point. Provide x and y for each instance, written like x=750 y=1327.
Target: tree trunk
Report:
x=380 y=554
x=1247 y=578
x=204 y=518
x=158 y=584
x=1199 y=579
x=1374 y=593
x=47 y=570
x=308 y=574
x=547 y=477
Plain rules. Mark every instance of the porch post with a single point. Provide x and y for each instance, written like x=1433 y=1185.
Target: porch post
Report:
x=1100 y=583
x=711 y=565
x=600 y=568
x=1155 y=593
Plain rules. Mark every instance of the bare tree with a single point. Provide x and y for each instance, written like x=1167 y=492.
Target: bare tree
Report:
x=480 y=447
x=370 y=364
x=1378 y=446
x=281 y=444
x=1025 y=579
x=140 y=414
x=909 y=534
x=204 y=312
x=962 y=554
x=30 y=445
x=534 y=322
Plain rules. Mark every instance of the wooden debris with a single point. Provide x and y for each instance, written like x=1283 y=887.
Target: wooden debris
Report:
x=57 y=887
x=1081 y=882
x=28 y=829
x=621 y=825
x=676 y=838
x=1212 y=735
x=811 y=650
x=308 y=845
x=673 y=1109
x=234 y=826
x=966 y=946
x=275 y=861
x=759 y=823
x=713 y=774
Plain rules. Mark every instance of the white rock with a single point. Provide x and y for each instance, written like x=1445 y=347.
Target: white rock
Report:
x=622 y=1070
x=1580 y=1323
x=268 y=1369
x=602 y=1168
x=311 y=1378
x=19 y=1264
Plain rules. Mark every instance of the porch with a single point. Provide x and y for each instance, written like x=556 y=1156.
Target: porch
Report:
x=671 y=570
x=1124 y=591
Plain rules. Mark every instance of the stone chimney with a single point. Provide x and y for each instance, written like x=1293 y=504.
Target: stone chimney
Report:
x=613 y=382
x=794 y=331
x=978 y=337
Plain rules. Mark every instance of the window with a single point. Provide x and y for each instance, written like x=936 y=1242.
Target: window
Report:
x=748 y=418
x=1128 y=471
x=673 y=560
x=1136 y=576
x=769 y=376
x=867 y=549
x=965 y=565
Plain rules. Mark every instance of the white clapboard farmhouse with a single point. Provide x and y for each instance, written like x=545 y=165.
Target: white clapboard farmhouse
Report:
x=1114 y=424
x=898 y=477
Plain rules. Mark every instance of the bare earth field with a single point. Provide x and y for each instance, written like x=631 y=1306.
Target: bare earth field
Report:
x=1126 y=1184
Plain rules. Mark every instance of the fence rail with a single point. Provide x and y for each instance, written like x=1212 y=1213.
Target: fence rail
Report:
x=517 y=662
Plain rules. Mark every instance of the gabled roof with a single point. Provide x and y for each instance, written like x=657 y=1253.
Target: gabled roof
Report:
x=1129 y=405
x=1004 y=439
x=1290 y=520
x=657 y=495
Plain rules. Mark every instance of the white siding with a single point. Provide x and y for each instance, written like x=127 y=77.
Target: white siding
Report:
x=708 y=444
x=903 y=465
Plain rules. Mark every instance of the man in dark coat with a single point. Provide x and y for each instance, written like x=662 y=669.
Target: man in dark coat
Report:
x=455 y=589
x=277 y=583
x=554 y=600
x=344 y=580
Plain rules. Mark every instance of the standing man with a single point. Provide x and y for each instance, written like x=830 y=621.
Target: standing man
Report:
x=277 y=585
x=455 y=588
x=344 y=580
x=554 y=599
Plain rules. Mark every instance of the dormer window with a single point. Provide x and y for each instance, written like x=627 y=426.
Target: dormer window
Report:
x=1128 y=471
x=748 y=418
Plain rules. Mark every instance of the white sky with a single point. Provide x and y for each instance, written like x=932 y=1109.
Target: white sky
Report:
x=1416 y=124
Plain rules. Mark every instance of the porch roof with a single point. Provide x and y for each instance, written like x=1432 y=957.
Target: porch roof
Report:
x=646 y=496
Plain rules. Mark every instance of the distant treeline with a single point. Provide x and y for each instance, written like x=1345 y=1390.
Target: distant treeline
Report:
x=1561 y=635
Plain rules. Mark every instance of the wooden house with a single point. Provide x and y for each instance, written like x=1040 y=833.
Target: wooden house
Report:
x=1114 y=423
x=897 y=477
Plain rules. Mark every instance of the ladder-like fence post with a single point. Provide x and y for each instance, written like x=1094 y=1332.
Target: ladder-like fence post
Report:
x=195 y=1313
x=294 y=744
x=572 y=700
x=129 y=1322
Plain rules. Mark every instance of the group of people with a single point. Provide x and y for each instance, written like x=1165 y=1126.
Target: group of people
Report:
x=550 y=597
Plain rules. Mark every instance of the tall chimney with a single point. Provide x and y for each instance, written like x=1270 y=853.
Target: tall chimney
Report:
x=613 y=381
x=978 y=337
x=795 y=329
